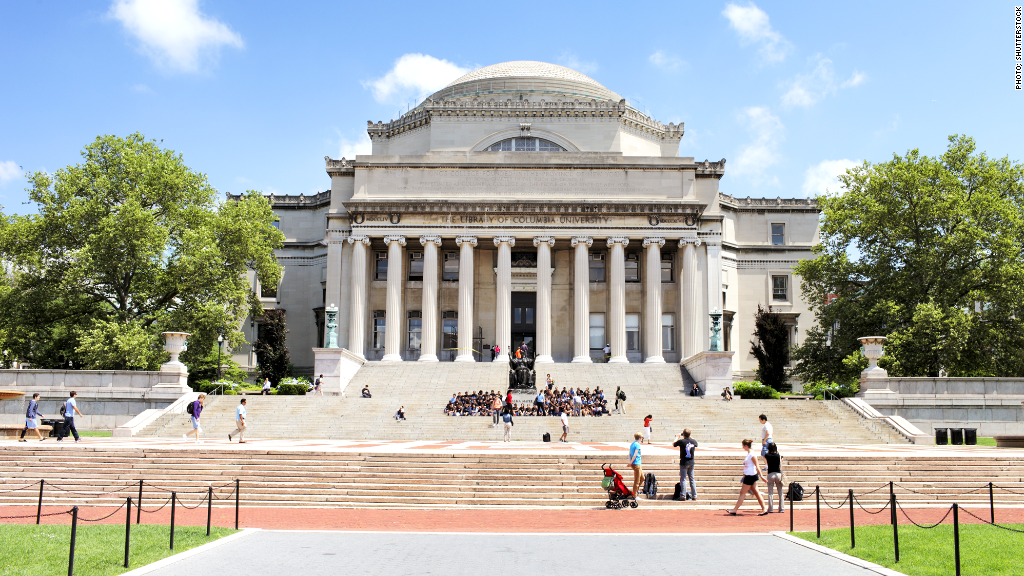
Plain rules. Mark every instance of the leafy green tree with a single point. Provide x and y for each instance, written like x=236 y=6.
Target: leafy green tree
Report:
x=271 y=350
x=928 y=252
x=125 y=245
x=771 y=348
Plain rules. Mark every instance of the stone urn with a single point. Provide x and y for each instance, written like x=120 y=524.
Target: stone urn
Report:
x=174 y=343
x=873 y=350
x=173 y=374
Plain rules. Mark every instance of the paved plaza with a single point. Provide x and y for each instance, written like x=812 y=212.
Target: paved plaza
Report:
x=270 y=553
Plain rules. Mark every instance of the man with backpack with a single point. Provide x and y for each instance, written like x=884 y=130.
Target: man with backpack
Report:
x=620 y=400
x=32 y=418
x=506 y=417
x=68 y=412
x=194 y=409
x=687 y=446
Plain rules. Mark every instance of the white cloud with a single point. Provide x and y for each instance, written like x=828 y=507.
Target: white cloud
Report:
x=174 y=33
x=666 y=61
x=141 y=89
x=808 y=89
x=751 y=23
x=570 y=60
x=824 y=177
x=762 y=152
x=414 y=76
x=9 y=170
x=348 y=149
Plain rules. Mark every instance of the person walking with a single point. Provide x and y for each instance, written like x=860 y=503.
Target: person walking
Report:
x=565 y=426
x=266 y=387
x=32 y=418
x=318 y=385
x=607 y=352
x=620 y=400
x=550 y=382
x=70 y=407
x=751 y=474
x=496 y=409
x=687 y=447
x=197 y=409
x=636 y=462
x=647 y=428
x=506 y=417
x=774 y=461
x=239 y=423
x=766 y=434
x=539 y=401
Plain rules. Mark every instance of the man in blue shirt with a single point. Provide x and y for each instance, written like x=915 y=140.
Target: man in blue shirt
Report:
x=70 y=407
x=635 y=462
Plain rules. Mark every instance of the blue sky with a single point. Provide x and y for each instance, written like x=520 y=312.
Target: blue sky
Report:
x=255 y=94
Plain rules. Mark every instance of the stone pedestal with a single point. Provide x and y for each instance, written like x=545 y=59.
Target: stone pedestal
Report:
x=338 y=365
x=711 y=371
x=173 y=374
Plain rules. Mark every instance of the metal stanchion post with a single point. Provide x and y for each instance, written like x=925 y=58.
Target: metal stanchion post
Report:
x=39 y=508
x=817 y=508
x=174 y=497
x=209 y=509
x=853 y=537
x=74 y=530
x=236 y=503
x=138 y=505
x=956 y=537
x=127 y=531
x=895 y=527
x=892 y=495
x=991 y=504
x=791 y=516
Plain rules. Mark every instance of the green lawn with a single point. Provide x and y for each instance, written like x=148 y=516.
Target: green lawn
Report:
x=984 y=550
x=95 y=433
x=30 y=550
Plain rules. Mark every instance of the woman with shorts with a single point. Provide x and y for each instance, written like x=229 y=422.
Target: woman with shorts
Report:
x=751 y=474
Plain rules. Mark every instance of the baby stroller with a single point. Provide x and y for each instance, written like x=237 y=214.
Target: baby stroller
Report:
x=619 y=495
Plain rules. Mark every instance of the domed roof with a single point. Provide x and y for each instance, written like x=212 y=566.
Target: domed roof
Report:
x=529 y=79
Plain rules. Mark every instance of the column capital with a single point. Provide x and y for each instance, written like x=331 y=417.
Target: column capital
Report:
x=389 y=239
x=654 y=240
x=510 y=240
x=549 y=240
x=364 y=239
x=588 y=240
x=426 y=239
x=460 y=239
x=689 y=240
x=613 y=240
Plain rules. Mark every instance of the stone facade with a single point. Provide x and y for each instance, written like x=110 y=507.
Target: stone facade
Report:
x=526 y=202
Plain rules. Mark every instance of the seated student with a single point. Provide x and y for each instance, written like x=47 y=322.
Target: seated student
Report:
x=400 y=415
x=726 y=393
x=366 y=391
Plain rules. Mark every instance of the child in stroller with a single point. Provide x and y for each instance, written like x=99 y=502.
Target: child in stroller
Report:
x=619 y=495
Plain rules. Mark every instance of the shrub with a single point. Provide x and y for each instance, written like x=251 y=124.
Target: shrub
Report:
x=840 y=389
x=291 y=389
x=755 y=391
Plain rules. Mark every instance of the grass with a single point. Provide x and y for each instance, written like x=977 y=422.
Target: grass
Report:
x=983 y=549
x=29 y=550
x=95 y=433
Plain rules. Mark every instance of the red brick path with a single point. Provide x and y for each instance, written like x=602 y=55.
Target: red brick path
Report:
x=680 y=520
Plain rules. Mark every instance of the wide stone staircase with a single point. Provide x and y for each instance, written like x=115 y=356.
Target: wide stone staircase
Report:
x=424 y=389
x=97 y=474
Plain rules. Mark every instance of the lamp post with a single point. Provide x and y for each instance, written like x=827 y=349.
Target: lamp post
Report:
x=220 y=345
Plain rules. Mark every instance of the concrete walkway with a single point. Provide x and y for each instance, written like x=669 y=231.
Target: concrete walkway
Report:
x=270 y=553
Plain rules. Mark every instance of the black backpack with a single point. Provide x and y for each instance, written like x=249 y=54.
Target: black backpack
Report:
x=796 y=492
x=650 y=485
x=191 y=408
x=622 y=395
x=547 y=437
x=63 y=409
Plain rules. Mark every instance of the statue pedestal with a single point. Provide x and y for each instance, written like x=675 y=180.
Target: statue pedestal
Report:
x=711 y=370
x=338 y=365
x=173 y=379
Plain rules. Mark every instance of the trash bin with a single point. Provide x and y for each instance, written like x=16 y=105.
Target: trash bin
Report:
x=957 y=436
x=971 y=436
x=941 y=436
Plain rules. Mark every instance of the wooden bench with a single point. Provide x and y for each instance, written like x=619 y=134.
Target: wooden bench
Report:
x=8 y=431
x=1009 y=441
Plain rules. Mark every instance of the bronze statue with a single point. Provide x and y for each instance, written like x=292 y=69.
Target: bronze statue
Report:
x=521 y=373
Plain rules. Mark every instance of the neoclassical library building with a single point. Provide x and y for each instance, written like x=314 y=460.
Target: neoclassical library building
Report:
x=527 y=203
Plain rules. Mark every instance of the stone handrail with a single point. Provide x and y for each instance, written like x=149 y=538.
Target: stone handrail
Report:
x=900 y=425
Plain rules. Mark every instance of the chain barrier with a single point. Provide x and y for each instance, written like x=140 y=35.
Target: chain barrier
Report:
x=33 y=515
x=227 y=497
x=841 y=504
x=882 y=509
x=920 y=526
x=975 y=490
x=168 y=501
x=191 y=507
x=902 y=487
x=105 y=517
x=89 y=494
x=983 y=521
x=1007 y=490
x=32 y=485
x=882 y=487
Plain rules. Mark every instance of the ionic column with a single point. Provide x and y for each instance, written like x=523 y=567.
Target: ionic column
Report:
x=544 y=244
x=691 y=307
x=466 y=279
x=428 y=346
x=503 y=302
x=652 y=279
x=617 y=289
x=581 y=299
x=357 y=307
x=393 y=309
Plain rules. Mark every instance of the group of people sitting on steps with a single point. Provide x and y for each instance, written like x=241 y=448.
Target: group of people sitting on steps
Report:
x=548 y=402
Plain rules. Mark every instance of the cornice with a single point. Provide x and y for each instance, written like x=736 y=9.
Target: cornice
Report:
x=749 y=204
x=278 y=201
x=664 y=207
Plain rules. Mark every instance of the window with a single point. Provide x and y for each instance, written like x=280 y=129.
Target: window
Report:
x=724 y=304
x=450 y=270
x=779 y=291
x=668 y=332
x=415 y=330
x=449 y=329
x=597 y=340
x=268 y=291
x=632 y=267
x=517 y=315
x=597 y=268
x=415 y=266
x=666 y=268
x=276 y=224
x=380 y=266
x=778 y=234
x=632 y=332
x=525 y=145
x=378 y=329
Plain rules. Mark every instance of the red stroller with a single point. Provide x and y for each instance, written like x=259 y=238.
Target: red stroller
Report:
x=619 y=495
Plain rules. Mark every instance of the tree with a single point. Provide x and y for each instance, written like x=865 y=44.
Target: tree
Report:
x=125 y=245
x=771 y=348
x=926 y=251
x=271 y=351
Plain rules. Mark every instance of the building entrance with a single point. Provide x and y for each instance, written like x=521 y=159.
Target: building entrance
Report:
x=524 y=320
